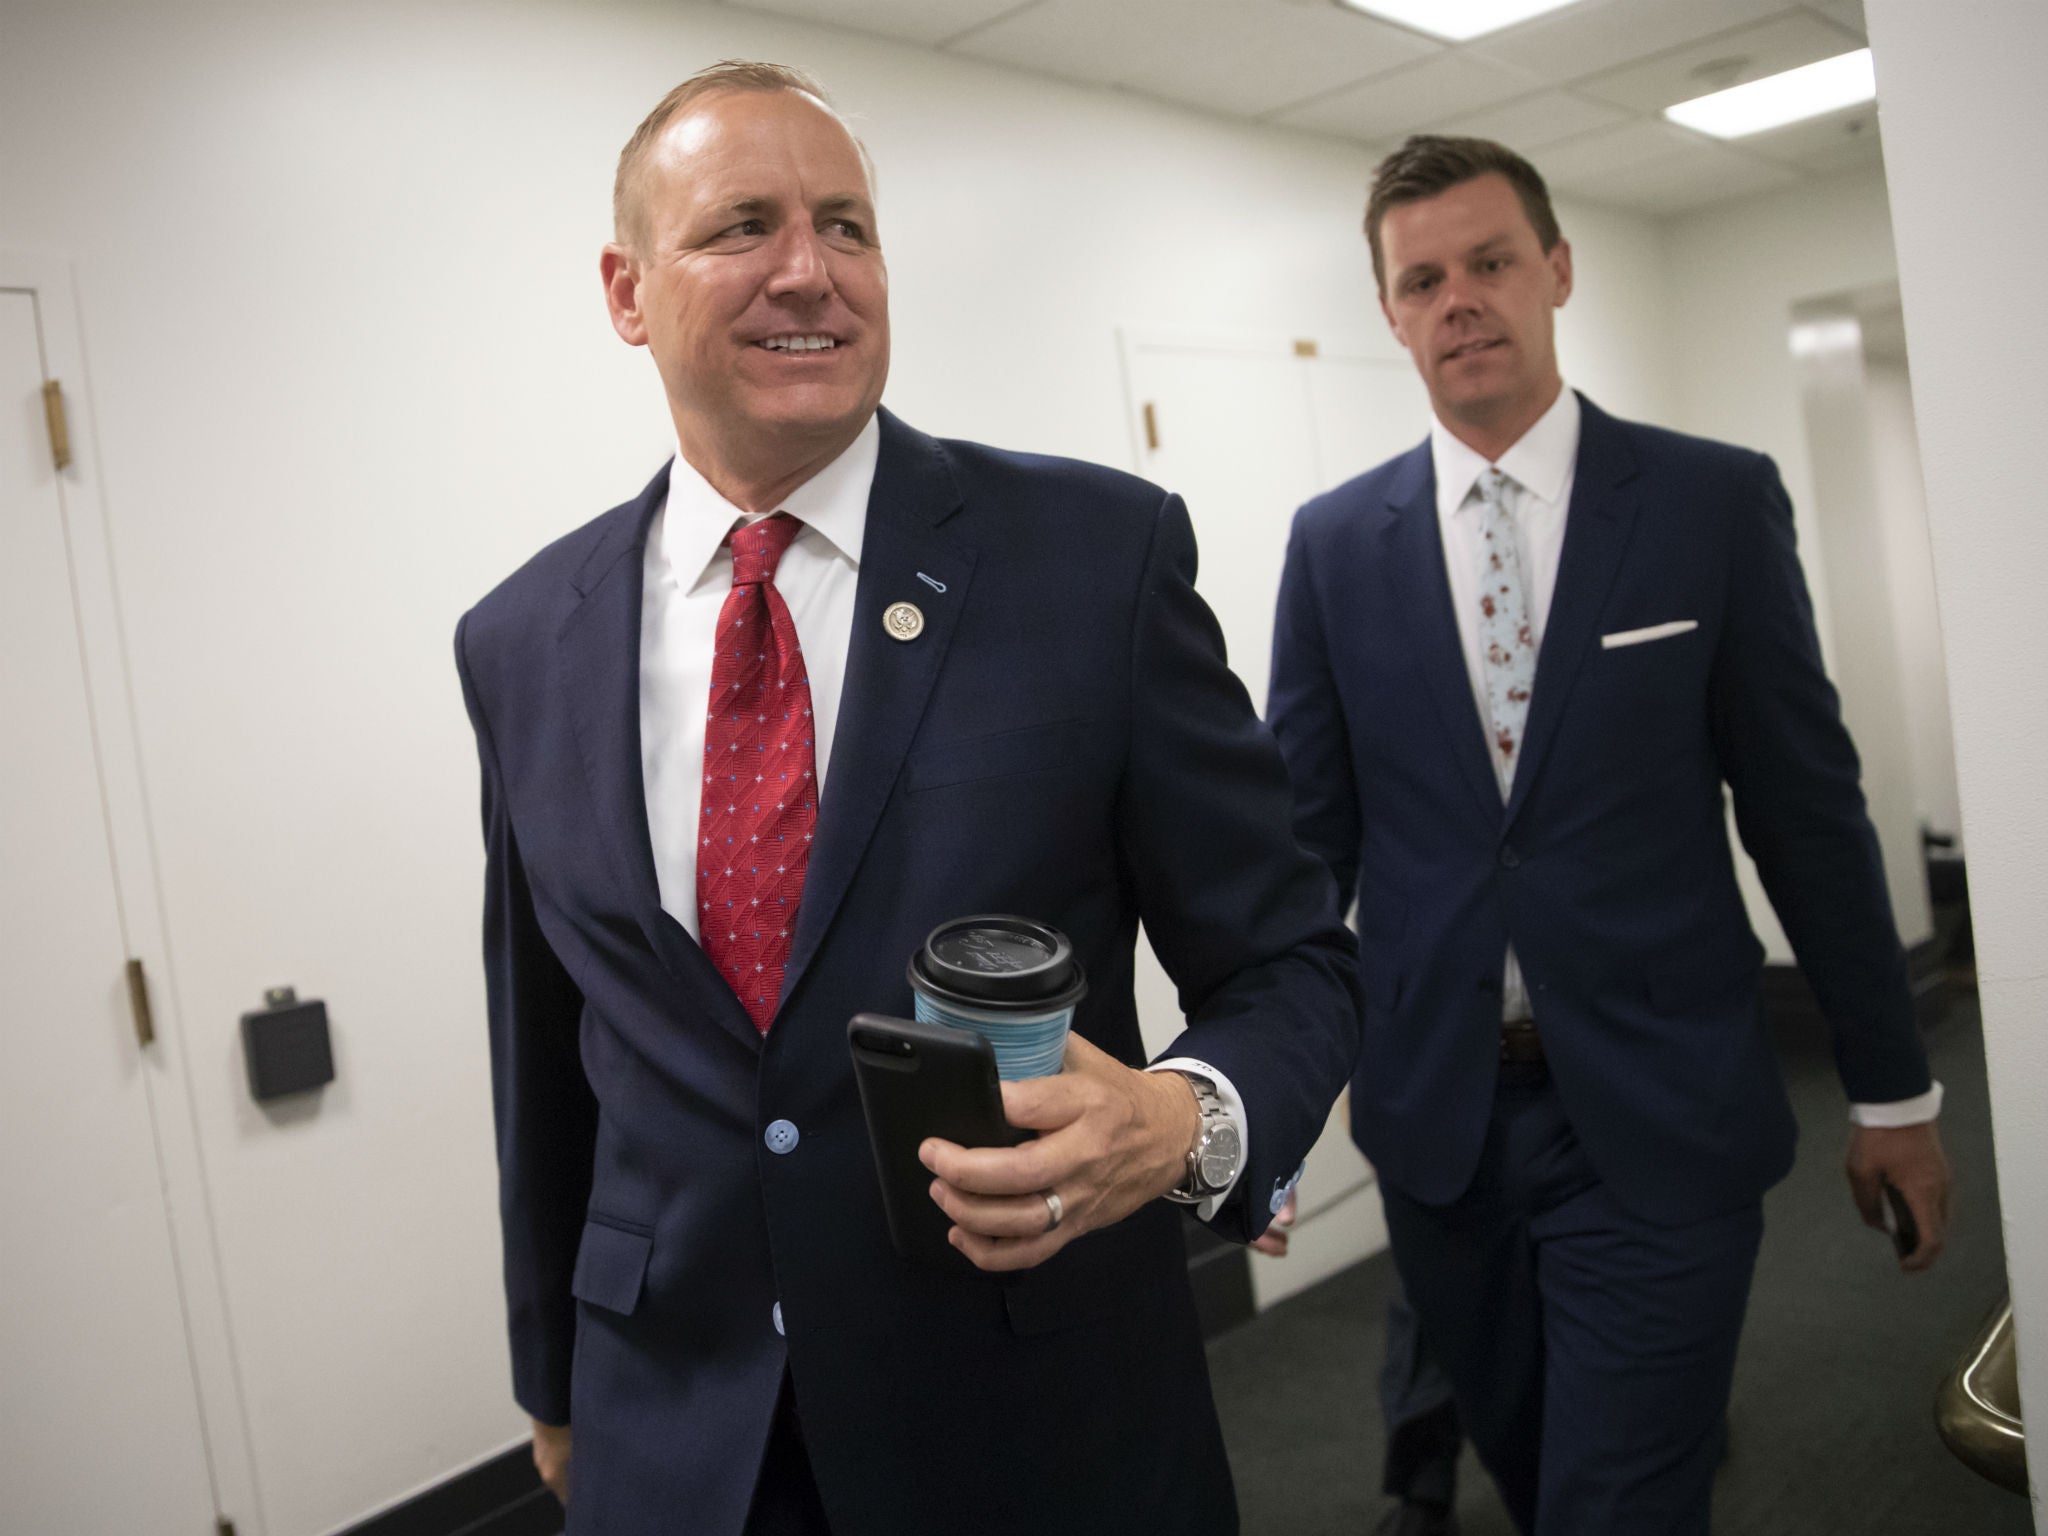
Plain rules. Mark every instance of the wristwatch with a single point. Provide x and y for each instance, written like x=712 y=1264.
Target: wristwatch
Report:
x=1217 y=1149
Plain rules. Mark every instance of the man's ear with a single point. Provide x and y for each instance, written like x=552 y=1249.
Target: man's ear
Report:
x=620 y=269
x=1560 y=259
x=1392 y=324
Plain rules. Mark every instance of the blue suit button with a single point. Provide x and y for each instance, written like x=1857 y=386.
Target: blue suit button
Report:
x=776 y=1317
x=782 y=1136
x=1509 y=859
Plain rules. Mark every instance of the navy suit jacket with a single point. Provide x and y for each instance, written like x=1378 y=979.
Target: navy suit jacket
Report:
x=1063 y=740
x=1609 y=866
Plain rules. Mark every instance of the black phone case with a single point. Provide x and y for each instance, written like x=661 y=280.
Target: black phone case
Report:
x=918 y=1080
x=1904 y=1229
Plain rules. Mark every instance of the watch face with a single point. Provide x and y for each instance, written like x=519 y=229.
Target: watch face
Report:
x=1219 y=1157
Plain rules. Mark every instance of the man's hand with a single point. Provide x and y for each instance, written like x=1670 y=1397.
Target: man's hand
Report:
x=1110 y=1138
x=1910 y=1158
x=1274 y=1239
x=551 y=1456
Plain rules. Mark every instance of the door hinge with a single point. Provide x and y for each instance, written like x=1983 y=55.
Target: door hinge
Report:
x=60 y=426
x=1151 y=427
x=1305 y=348
x=138 y=1003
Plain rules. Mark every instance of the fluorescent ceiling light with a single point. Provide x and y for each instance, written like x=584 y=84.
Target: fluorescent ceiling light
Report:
x=1843 y=81
x=1819 y=338
x=1455 y=20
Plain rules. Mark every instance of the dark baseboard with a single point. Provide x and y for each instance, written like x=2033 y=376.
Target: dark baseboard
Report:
x=499 y=1497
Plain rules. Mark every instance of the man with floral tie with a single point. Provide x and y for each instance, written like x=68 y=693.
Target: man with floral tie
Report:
x=1513 y=670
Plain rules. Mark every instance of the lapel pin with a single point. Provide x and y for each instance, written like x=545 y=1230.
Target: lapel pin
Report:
x=903 y=621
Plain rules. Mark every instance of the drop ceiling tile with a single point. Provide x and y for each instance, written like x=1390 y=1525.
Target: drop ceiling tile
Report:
x=1613 y=150
x=915 y=21
x=1397 y=103
x=1237 y=56
x=1605 y=34
x=1534 y=121
x=1664 y=190
x=1846 y=13
x=1837 y=141
x=1660 y=171
x=1715 y=63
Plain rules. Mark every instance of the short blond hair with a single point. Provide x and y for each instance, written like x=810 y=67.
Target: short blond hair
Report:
x=725 y=75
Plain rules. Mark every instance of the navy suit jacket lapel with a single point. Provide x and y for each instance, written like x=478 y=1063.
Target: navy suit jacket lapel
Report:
x=598 y=653
x=1421 y=591
x=1598 y=523
x=907 y=555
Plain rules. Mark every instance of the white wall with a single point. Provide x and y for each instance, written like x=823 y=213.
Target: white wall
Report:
x=336 y=274
x=1735 y=271
x=1914 y=617
x=1957 y=83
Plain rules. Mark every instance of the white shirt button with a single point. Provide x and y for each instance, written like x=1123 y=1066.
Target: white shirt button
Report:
x=776 y=1317
x=782 y=1137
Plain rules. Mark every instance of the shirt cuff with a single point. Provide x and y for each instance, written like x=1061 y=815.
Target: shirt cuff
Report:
x=1233 y=1107
x=1917 y=1110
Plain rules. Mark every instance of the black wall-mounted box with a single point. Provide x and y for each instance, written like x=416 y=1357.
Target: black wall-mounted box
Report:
x=287 y=1047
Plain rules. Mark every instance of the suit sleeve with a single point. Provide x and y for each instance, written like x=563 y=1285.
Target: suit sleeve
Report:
x=1307 y=719
x=545 y=1114
x=1799 y=806
x=1242 y=917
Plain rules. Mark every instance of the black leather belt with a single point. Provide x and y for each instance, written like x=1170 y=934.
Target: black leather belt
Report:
x=1520 y=1044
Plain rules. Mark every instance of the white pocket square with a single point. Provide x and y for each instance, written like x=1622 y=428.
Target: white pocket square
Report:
x=1623 y=637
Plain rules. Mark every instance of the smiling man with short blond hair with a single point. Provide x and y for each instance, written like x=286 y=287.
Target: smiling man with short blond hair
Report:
x=746 y=739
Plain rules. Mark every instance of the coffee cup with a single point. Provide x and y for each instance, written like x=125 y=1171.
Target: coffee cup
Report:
x=1009 y=979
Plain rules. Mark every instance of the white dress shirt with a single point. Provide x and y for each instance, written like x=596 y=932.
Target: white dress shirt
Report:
x=1541 y=466
x=685 y=577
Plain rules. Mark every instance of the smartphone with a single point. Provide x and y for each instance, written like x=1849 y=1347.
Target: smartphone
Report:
x=1898 y=1220
x=918 y=1080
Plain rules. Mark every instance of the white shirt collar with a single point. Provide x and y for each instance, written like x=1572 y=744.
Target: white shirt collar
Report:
x=1541 y=460
x=832 y=504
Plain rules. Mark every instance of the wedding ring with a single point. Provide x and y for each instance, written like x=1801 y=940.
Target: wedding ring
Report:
x=1055 y=1210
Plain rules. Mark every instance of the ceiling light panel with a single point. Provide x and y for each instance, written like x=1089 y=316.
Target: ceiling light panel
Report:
x=1844 y=81
x=1456 y=21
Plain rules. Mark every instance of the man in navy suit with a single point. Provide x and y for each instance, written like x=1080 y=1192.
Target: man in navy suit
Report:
x=1513 y=670
x=960 y=681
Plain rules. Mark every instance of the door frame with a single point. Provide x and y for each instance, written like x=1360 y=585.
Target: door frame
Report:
x=166 y=1065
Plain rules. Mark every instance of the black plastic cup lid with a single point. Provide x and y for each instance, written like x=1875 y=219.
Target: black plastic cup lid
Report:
x=999 y=961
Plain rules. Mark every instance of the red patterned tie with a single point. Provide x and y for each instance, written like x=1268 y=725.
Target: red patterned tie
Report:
x=760 y=785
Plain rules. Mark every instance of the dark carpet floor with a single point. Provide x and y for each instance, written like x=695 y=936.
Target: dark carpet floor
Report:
x=1832 y=1417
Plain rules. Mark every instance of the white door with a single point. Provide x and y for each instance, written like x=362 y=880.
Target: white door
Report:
x=1365 y=410
x=99 y=1416
x=1231 y=432
x=1247 y=430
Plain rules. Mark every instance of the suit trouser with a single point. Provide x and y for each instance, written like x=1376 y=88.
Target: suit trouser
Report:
x=1591 y=1350
x=1420 y=1412
x=786 y=1501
